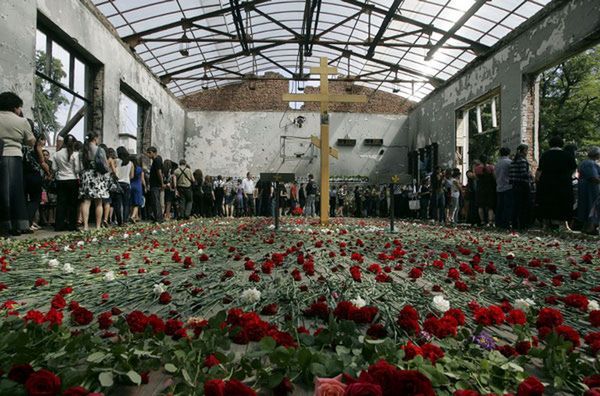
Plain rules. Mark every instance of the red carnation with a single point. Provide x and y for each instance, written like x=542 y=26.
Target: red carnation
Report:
x=576 y=301
x=82 y=316
x=270 y=309
x=34 y=316
x=105 y=320
x=164 y=298
x=211 y=360
x=53 y=317
x=432 y=352
x=408 y=319
x=595 y=318
x=214 y=387
x=415 y=273
x=235 y=387
x=377 y=331
x=20 y=372
x=40 y=282
x=457 y=314
x=569 y=334
x=530 y=387
x=491 y=315
x=137 y=321
x=355 y=272
x=516 y=317
x=42 y=383
x=363 y=389
x=76 y=391
x=284 y=388
x=523 y=347
x=549 y=317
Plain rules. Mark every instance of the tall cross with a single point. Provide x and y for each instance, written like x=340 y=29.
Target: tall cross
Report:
x=324 y=98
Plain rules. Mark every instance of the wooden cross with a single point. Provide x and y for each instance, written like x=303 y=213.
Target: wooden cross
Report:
x=324 y=98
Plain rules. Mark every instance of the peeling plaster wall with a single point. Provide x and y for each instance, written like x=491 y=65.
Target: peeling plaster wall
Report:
x=17 y=37
x=232 y=143
x=572 y=26
x=17 y=49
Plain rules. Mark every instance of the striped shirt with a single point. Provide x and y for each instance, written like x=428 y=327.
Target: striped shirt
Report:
x=518 y=171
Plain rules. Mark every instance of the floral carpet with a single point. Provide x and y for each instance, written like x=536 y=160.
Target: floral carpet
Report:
x=233 y=307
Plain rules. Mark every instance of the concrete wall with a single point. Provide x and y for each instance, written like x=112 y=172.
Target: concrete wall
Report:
x=232 y=143
x=78 y=20
x=565 y=28
x=17 y=49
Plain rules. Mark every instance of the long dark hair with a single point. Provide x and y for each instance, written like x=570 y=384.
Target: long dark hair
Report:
x=69 y=144
x=123 y=155
x=87 y=152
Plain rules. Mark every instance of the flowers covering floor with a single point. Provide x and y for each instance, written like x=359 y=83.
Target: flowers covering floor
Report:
x=232 y=307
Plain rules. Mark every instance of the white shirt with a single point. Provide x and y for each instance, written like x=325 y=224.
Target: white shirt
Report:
x=123 y=172
x=65 y=168
x=248 y=186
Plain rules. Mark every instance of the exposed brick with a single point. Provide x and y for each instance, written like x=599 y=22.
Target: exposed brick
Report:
x=267 y=97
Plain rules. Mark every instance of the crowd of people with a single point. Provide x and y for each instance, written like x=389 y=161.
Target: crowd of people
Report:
x=118 y=188
x=509 y=195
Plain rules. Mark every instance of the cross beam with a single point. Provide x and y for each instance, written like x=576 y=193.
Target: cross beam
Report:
x=317 y=143
x=324 y=98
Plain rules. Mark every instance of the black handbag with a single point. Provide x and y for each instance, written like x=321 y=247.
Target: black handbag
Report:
x=114 y=186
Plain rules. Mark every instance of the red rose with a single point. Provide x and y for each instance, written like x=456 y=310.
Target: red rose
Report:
x=53 y=317
x=377 y=331
x=235 y=387
x=164 y=298
x=172 y=325
x=157 y=324
x=410 y=382
x=530 y=387
x=40 y=282
x=42 y=383
x=137 y=321
x=211 y=360
x=82 y=316
x=20 y=372
x=592 y=381
x=214 y=387
x=415 y=273
x=76 y=391
x=453 y=273
x=595 y=318
x=363 y=389
x=569 y=334
x=523 y=347
x=432 y=352
x=270 y=309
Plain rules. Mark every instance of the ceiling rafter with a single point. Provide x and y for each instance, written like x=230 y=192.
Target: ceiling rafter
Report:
x=383 y=27
x=134 y=39
x=476 y=46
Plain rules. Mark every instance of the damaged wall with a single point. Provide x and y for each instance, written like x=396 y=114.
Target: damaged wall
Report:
x=559 y=31
x=84 y=24
x=232 y=143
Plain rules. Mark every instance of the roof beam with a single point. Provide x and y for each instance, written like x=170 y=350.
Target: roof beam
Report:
x=212 y=30
x=165 y=78
x=450 y=33
x=134 y=39
x=276 y=64
x=337 y=25
x=433 y=80
x=276 y=22
x=384 y=25
x=264 y=78
x=312 y=12
x=238 y=21
x=476 y=46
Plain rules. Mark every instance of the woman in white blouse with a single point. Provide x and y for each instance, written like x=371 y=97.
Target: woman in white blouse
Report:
x=66 y=167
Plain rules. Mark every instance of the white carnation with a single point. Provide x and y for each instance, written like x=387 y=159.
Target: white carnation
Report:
x=200 y=251
x=80 y=243
x=110 y=238
x=54 y=263
x=125 y=236
x=68 y=268
x=440 y=303
x=250 y=296
x=67 y=248
x=109 y=276
x=523 y=304
x=359 y=302
x=95 y=240
x=593 y=305
x=159 y=289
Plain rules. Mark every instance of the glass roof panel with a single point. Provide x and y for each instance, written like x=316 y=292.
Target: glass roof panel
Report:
x=277 y=30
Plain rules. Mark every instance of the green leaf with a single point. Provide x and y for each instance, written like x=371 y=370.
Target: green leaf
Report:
x=170 y=368
x=274 y=380
x=187 y=378
x=267 y=344
x=134 y=377
x=96 y=357
x=106 y=379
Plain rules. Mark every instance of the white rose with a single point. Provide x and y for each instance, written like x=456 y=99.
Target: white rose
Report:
x=200 y=251
x=593 y=305
x=125 y=236
x=110 y=238
x=95 y=240
x=250 y=296
x=159 y=289
x=109 y=276
x=154 y=232
x=523 y=304
x=80 y=243
x=137 y=234
x=440 y=303
x=359 y=302
x=68 y=268
x=54 y=263
x=67 y=248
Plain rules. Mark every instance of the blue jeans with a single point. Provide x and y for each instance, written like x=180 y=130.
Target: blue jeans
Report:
x=504 y=208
